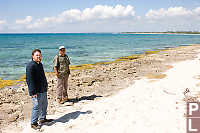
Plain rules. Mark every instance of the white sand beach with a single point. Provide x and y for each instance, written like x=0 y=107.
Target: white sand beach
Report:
x=153 y=106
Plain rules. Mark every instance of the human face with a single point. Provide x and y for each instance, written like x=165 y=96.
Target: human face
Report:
x=62 y=51
x=37 y=57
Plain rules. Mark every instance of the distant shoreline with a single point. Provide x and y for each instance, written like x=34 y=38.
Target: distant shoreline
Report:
x=160 y=32
x=170 y=32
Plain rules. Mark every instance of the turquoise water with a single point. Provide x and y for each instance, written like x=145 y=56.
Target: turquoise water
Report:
x=82 y=48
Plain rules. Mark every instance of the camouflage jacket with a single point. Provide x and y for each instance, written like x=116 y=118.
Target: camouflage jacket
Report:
x=62 y=63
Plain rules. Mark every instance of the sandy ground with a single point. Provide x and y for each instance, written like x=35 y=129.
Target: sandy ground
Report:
x=153 y=106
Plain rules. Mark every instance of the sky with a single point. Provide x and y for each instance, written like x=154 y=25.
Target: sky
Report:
x=82 y=16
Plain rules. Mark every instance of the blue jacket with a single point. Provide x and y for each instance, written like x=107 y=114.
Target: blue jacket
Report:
x=35 y=78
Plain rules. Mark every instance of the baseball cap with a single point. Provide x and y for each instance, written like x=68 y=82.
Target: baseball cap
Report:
x=61 y=47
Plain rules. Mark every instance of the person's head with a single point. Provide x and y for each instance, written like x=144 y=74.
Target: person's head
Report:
x=62 y=50
x=36 y=55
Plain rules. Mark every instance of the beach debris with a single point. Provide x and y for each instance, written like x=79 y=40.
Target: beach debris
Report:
x=13 y=118
x=189 y=96
x=186 y=91
x=190 y=99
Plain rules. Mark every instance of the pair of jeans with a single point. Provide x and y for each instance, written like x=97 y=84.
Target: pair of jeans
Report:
x=39 y=109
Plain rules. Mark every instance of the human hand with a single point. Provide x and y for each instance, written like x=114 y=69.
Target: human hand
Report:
x=57 y=75
x=34 y=96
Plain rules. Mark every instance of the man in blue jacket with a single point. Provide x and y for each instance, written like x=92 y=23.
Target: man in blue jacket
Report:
x=37 y=87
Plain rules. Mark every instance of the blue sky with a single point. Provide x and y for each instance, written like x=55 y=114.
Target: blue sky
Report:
x=98 y=15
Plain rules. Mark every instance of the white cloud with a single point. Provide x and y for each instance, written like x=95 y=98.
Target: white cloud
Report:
x=107 y=12
x=37 y=24
x=98 y=12
x=178 y=11
x=196 y=12
x=2 y=25
x=174 y=18
x=69 y=15
x=170 y=12
x=27 y=20
x=2 y=22
x=103 y=18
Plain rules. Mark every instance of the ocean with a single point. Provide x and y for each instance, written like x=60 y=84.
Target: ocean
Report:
x=82 y=48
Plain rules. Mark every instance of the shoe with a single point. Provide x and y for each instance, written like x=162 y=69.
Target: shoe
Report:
x=60 y=101
x=35 y=126
x=65 y=99
x=45 y=120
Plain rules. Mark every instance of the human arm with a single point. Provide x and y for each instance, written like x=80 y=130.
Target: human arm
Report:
x=56 y=64
x=56 y=71
x=43 y=79
x=30 y=79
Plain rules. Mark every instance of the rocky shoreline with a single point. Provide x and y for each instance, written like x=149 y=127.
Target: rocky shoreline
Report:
x=102 y=80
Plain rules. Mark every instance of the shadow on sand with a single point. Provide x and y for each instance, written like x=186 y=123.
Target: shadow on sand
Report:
x=76 y=100
x=75 y=114
x=68 y=117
